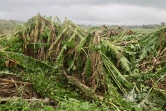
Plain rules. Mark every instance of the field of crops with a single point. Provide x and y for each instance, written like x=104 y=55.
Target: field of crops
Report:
x=48 y=65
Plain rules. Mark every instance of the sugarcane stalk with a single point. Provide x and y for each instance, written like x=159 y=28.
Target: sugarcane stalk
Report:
x=55 y=42
x=15 y=82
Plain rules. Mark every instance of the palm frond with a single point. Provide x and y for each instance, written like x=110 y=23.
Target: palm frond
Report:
x=26 y=61
x=125 y=64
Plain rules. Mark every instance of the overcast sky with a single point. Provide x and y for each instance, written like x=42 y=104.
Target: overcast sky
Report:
x=94 y=12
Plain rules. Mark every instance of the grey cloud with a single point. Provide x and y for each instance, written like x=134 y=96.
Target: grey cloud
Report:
x=150 y=3
x=88 y=11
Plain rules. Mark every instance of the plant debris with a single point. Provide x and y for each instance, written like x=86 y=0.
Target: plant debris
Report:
x=118 y=69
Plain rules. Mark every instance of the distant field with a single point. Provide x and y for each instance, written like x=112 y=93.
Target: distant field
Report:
x=133 y=29
x=8 y=26
x=144 y=30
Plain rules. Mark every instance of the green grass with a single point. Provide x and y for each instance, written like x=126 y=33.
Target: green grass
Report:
x=144 y=30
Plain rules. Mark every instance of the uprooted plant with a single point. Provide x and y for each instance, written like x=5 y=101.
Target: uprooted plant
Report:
x=106 y=65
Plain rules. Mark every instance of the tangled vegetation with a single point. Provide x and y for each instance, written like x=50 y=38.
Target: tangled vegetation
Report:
x=79 y=69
